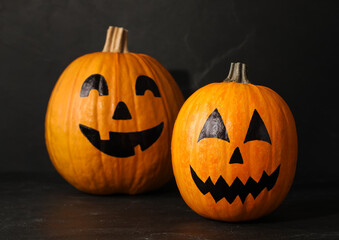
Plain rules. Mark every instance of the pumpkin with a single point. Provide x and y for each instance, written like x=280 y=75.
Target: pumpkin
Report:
x=110 y=118
x=234 y=149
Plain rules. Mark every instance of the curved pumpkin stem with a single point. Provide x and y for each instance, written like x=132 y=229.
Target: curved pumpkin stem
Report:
x=116 y=40
x=237 y=73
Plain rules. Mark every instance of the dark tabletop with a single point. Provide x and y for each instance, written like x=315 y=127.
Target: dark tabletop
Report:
x=44 y=206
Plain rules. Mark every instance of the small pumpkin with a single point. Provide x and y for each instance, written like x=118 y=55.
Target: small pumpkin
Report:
x=110 y=118
x=234 y=149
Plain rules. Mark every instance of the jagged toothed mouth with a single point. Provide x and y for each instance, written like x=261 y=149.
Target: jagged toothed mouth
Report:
x=221 y=189
x=122 y=144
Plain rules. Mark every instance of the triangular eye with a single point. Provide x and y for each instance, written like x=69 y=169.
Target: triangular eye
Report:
x=214 y=127
x=257 y=129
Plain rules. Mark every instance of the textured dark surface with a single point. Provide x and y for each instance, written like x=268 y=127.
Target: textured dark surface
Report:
x=43 y=206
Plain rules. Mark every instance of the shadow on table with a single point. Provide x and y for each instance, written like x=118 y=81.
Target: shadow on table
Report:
x=307 y=202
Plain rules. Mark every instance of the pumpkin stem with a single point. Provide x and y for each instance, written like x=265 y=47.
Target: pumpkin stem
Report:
x=116 y=40
x=237 y=73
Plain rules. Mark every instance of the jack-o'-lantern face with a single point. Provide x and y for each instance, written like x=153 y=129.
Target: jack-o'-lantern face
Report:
x=215 y=128
x=109 y=123
x=109 y=120
x=234 y=150
x=121 y=144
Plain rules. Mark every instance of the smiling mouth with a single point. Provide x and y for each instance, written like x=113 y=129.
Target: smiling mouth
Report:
x=122 y=144
x=221 y=189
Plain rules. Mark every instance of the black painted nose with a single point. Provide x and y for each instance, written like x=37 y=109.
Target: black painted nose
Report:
x=121 y=112
x=236 y=157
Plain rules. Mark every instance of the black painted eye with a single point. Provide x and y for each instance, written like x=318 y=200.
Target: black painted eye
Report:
x=214 y=128
x=146 y=83
x=97 y=82
x=257 y=129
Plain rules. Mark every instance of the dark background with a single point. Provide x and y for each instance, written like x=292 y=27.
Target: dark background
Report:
x=289 y=46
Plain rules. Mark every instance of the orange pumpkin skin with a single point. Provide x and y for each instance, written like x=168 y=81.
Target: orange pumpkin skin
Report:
x=76 y=159
x=210 y=157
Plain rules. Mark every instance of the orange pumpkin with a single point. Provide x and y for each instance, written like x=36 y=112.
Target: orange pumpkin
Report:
x=234 y=149
x=110 y=118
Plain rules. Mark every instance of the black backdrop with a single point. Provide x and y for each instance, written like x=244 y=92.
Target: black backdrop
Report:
x=289 y=46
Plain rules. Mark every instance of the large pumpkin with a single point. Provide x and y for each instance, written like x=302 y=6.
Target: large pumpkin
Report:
x=234 y=149
x=110 y=118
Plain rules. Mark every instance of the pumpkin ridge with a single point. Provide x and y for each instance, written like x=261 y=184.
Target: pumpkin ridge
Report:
x=143 y=60
x=69 y=116
x=285 y=122
x=288 y=119
x=134 y=168
x=101 y=157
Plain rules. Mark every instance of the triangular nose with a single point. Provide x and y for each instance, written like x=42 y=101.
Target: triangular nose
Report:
x=236 y=157
x=121 y=112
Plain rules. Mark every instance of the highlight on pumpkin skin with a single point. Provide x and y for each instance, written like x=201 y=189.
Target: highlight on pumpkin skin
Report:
x=234 y=149
x=110 y=118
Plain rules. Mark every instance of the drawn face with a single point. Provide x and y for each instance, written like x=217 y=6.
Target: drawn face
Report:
x=214 y=127
x=234 y=151
x=121 y=144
